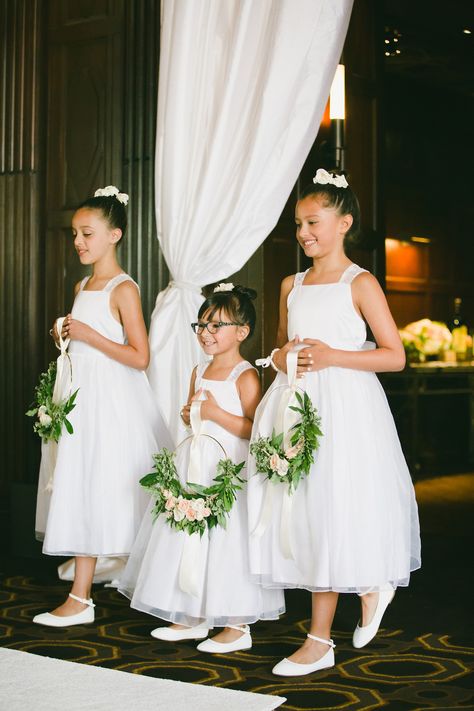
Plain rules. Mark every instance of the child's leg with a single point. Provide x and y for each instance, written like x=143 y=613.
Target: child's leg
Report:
x=368 y=605
x=81 y=587
x=323 y=610
x=230 y=634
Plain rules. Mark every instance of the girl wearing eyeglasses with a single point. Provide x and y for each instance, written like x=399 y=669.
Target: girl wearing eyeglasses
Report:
x=210 y=587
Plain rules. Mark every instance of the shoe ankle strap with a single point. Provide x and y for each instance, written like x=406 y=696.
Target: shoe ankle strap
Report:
x=241 y=628
x=320 y=639
x=84 y=600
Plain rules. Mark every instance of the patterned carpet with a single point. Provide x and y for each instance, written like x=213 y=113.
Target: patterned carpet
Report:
x=420 y=660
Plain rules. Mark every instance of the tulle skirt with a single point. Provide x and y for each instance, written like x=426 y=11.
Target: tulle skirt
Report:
x=354 y=520
x=163 y=557
x=97 y=504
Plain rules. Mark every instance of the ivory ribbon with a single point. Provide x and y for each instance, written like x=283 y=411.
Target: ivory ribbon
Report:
x=194 y=466
x=61 y=361
x=51 y=447
x=191 y=556
x=190 y=565
x=286 y=418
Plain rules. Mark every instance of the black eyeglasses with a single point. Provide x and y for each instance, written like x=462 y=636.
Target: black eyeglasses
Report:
x=211 y=326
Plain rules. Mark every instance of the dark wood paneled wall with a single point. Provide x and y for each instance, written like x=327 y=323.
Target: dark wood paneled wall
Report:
x=22 y=120
x=79 y=82
x=141 y=255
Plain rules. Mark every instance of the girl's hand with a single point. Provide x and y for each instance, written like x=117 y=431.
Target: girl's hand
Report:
x=185 y=414
x=54 y=333
x=209 y=406
x=279 y=358
x=316 y=357
x=76 y=330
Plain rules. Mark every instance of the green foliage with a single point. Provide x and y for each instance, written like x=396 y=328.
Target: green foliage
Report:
x=196 y=507
x=51 y=416
x=291 y=465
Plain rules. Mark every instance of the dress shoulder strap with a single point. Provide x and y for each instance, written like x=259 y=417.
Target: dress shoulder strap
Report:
x=83 y=283
x=350 y=274
x=119 y=279
x=237 y=371
x=200 y=368
x=299 y=278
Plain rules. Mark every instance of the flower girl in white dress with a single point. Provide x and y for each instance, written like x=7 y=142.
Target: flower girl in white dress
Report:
x=354 y=522
x=97 y=504
x=197 y=582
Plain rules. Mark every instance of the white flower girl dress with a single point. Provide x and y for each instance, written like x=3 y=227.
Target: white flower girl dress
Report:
x=354 y=520
x=164 y=561
x=97 y=504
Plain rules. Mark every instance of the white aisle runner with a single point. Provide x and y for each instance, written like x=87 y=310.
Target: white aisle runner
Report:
x=28 y=681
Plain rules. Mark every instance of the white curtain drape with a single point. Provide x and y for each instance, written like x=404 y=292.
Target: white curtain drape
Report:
x=242 y=89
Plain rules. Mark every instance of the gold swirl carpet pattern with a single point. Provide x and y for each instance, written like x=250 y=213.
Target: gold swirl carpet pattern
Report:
x=422 y=658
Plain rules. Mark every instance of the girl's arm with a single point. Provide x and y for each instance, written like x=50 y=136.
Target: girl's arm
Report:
x=185 y=410
x=282 y=342
x=250 y=392
x=125 y=301
x=54 y=330
x=389 y=355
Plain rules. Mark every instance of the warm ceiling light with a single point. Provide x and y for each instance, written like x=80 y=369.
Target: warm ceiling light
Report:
x=337 y=106
x=423 y=240
x=467 y=31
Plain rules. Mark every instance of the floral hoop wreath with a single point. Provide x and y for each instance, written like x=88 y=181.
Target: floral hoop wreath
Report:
x=48 y=407
x=287 y=456
x=291 y=463
x=194 y=508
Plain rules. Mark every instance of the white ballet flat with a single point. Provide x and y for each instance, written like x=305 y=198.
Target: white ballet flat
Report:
x=363 y=635
x=288 y=668
x=168 y=634
x=243 y=642
x=81 y=618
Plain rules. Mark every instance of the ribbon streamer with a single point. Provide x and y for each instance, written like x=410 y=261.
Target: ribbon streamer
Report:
x=190 y=565
x=191 y=555
x=50 y=449
x=61 y=363
x=195 y=464
x=285 y=419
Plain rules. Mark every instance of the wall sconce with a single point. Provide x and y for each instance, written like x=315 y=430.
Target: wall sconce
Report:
x=337 y=114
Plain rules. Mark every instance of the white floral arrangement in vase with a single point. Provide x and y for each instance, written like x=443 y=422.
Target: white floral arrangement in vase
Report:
x=425 y=338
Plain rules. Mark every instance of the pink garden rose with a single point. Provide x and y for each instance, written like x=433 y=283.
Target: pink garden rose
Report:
x=190 y=514
x=274 y=460
x=183 y=505
x=170 y=503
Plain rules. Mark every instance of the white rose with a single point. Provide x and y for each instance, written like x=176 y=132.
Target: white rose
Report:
x=223 y=286
x=178 y=515
x=340 y=181
x=108 y=191
x=322 y=177
x=43 y=416
x=282 y=467
x=122 y=197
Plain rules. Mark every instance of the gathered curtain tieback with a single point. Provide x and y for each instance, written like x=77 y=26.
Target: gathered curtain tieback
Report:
x=175 y=283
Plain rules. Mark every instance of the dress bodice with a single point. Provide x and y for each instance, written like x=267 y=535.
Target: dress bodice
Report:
x=93 y=308
x=326 y=312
